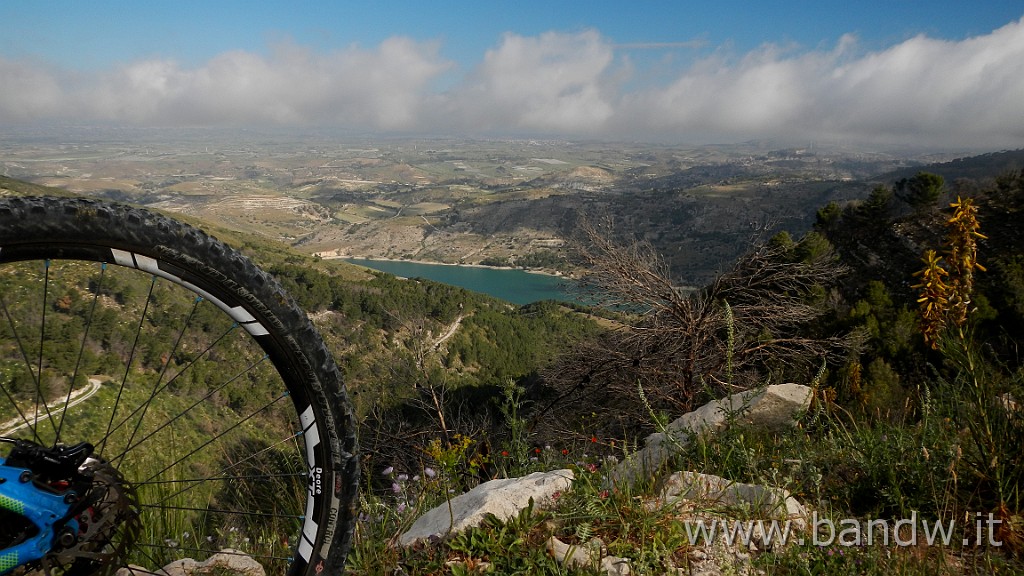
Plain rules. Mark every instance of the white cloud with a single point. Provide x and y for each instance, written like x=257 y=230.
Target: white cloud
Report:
x=924 y=91
x=550 y=84
x=921 y=91
x=28 y=91
x=382 y=88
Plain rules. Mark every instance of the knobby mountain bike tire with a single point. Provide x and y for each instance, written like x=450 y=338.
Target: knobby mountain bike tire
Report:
x=215 y=414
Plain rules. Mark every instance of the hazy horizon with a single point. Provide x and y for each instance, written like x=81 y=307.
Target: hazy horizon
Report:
x=944 y=77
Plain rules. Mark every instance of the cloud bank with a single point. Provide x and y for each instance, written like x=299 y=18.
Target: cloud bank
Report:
x=923 y=91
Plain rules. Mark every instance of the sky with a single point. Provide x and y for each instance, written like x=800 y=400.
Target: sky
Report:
x=920 y=73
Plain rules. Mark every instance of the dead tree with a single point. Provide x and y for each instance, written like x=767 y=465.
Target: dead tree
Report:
x=676 y=345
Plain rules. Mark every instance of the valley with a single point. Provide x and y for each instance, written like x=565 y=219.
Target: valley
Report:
x=457 y=201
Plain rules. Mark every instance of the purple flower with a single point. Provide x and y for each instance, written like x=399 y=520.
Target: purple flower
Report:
x=395 y=487
x=429 y=472
x=387 y=471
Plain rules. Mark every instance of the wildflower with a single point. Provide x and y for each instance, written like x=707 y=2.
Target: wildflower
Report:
x=504 y=453
x=536 y=450
x=400 y=508
x=429 y=472
x=395 y=487
x=403 y=477
x=565 y=451
x=388 y=471
x=593 y=439
x=416 y=478
x=603 y=494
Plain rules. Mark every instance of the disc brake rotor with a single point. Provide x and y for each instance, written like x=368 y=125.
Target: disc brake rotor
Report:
x=106 y=525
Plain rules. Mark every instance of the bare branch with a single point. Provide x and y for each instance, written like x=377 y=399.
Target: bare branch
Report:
x=749 y=324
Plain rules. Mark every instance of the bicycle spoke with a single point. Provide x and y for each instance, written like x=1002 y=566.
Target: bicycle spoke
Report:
x=218 y=511
x=28 y=368
x=187 y=417
x=218 y=436
x=128 y=364
x=81 y=351
x=171 y=381
x=236 y=465
x=222 y=479
x=163 y=371
x=39 y=359
x=188 y=410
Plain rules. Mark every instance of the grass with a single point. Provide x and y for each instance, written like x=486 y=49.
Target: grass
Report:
x=841 y=468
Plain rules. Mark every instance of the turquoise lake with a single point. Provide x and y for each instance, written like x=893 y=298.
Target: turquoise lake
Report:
x=516 y=286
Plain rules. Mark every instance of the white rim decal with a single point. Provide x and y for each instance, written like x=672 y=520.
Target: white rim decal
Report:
x=151 y=265
x=311 y=436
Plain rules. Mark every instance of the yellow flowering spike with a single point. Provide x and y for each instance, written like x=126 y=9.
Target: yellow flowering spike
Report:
x=946 y=282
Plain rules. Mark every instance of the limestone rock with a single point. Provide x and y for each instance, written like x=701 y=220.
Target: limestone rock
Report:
x=766 y=503
x=504 y=498
x=773 y=407
x=227 y=562
x=588 y=555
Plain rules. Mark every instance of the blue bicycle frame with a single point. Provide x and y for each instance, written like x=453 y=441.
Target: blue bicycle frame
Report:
x=46 y=510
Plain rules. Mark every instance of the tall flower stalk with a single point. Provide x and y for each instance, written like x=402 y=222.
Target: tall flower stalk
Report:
x=946 y=282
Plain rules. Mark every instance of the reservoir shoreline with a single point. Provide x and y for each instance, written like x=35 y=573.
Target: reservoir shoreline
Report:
x=516 y=285
x=347 y=257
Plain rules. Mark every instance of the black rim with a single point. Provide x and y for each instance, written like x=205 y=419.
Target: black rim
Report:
x=259 y=434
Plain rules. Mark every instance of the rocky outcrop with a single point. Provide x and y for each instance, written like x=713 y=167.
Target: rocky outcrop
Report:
x=772 y=407
x=589 y=555
x=227 y=562
x=698 y=497
x=761 y=502
x=503 y=498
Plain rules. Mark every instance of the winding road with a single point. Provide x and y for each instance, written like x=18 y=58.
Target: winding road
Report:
x=449 y=332
x=53 y=408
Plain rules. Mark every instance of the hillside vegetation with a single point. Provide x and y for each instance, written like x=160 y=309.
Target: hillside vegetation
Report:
x=455 y=388
x=915 y=416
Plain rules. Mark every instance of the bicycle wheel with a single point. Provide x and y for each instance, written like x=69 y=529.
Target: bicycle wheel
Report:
x=204 y=407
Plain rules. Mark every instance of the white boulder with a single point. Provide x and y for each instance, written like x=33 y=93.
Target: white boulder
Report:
x=504 y=498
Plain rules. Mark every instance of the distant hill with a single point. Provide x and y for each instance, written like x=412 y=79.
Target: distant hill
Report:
x=20 y=187
x=983 y=167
